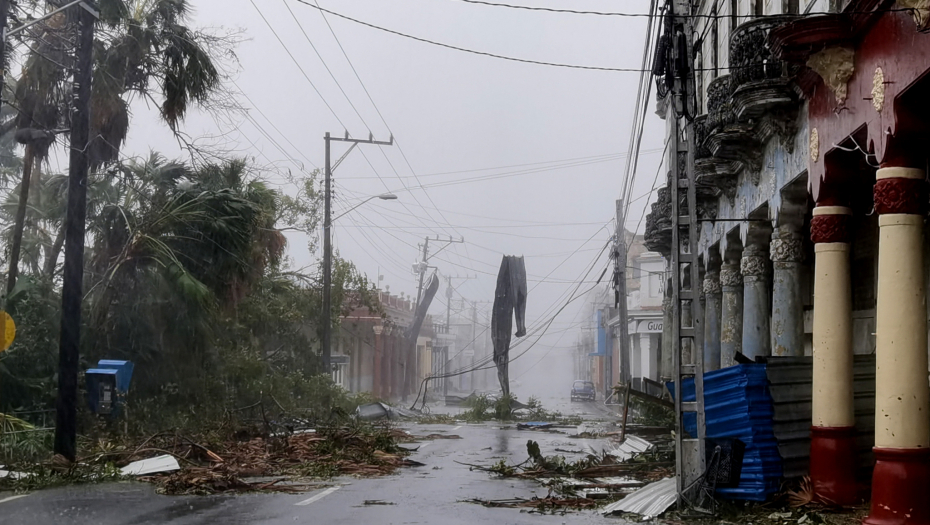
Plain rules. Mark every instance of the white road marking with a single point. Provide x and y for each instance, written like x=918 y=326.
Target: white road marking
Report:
x=316 y=497
x=11 y=498
x=424 y=445
x=458 y=427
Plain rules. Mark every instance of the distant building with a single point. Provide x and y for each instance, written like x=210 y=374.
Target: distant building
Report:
x=372 y=354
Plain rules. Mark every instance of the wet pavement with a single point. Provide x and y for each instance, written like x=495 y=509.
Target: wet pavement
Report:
x=433 y=494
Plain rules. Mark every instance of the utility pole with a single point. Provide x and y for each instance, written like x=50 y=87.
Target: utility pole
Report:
x=620 y=263
x=421 y=268
x=689 y=452
x=326 y=314
x=72 y=279
x=445 y=353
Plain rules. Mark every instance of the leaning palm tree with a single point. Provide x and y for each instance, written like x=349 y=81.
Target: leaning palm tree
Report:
x=143 y=47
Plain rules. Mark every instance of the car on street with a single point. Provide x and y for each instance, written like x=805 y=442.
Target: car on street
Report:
x=583 y=390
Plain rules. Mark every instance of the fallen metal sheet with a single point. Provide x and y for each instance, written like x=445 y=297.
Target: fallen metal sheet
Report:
x=12 y=474
x=630 y=447
x=151 y=466
x=649 y=501
x=373 y=411
x=619 y=482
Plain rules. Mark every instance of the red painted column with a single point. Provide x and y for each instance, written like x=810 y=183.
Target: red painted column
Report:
x=388 y=382
x=376 y=368
x=901 y=479
x=833 y=433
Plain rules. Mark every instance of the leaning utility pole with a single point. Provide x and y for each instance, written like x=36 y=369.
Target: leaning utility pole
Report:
x=421 y=268
x=620 y=262
x=73 y=275
x=326 y=315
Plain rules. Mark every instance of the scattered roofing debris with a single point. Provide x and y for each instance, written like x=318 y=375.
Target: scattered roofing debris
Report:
x=156 y=465
x=594 y=479
x=649 y=501
x=549 y=504
x=376 y=411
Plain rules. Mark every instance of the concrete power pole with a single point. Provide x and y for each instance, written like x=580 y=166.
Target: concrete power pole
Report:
x=326 y=313
x=72 y=278
x=620 y=262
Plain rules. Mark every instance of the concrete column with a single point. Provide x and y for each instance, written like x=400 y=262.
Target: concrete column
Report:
x=787 y=303
x=757 y=338
x=648 y=352
x=666 y=362
x=833 y=447
x=902 y=396
x=712 y=298
x=731 y=314
x=378 y=373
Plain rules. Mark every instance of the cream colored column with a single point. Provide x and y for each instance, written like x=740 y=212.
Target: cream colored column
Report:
x=833 y=353
x=902 y=393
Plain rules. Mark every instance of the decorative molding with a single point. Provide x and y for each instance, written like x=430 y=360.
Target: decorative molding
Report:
x=712 y=284
x=787 y=247
x=815 y=145
x=878 y=89
x=900 y=196
x=754 y=264
x=377 y=329
x=830 y=228
x=730 y=276
x=835 y=65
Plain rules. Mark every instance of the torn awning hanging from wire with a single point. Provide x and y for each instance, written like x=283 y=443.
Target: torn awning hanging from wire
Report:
x=509 y=301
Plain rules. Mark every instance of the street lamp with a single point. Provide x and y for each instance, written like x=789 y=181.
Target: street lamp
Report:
x=328 y=273
x=383 y=196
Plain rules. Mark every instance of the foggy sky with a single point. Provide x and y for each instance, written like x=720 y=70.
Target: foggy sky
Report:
x=450 y=112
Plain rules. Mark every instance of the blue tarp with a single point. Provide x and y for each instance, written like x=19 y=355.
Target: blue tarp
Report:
x=737 y=404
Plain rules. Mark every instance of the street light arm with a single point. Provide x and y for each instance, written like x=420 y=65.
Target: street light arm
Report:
x=385 y=197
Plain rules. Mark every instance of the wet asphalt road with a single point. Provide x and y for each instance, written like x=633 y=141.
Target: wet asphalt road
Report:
x=431 y=494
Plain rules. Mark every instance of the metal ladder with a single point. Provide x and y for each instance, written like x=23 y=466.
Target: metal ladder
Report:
x=689 y=452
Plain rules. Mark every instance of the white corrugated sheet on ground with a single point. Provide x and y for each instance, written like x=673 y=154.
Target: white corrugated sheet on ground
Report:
x=12 y=475
x=649 y=501
x=151 y=466
x=631 y=446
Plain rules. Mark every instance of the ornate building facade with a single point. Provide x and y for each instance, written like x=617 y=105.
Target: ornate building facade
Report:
x=811 y=156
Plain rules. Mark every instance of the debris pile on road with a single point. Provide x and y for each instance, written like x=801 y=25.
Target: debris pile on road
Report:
x=234 y=465
x=548 y=504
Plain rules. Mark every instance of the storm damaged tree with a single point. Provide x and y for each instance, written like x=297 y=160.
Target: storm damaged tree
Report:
x=143 y=48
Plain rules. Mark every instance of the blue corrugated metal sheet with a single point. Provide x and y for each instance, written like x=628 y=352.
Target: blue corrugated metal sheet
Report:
x=737 y=404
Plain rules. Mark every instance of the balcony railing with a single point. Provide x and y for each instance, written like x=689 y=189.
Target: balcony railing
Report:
x=759 y=82
x=719 y=112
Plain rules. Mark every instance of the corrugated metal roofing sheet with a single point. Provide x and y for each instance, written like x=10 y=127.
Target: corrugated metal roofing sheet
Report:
x=630 y=447
x=790 y=385
x=737 y=404
x=649 y=501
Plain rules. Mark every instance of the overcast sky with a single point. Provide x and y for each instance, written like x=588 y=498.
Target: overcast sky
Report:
x=482 y=135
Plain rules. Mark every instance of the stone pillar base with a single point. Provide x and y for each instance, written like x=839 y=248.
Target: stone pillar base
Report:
x=899 y=487
x=833 y=465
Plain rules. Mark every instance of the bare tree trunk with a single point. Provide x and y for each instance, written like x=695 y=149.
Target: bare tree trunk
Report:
x=20 y=224
x=51 y=256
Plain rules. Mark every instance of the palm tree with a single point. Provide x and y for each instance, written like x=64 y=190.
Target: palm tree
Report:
x=143 y=47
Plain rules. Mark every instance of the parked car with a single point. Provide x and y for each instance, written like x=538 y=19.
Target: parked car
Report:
x=583 y=390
